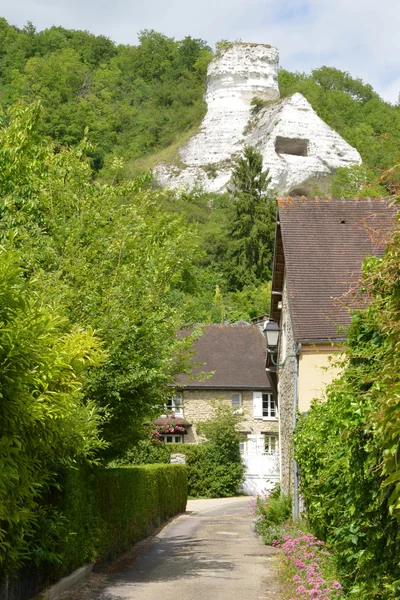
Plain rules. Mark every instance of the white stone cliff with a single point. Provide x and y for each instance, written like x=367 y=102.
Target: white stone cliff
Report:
x=298 y=148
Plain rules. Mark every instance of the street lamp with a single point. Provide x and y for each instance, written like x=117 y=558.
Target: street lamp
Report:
x=271 y=330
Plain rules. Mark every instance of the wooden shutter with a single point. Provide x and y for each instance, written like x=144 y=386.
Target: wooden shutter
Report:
x=257 y=405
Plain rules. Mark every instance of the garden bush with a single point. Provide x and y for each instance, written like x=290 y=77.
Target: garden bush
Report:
x=211 y=474
x=310 y=567
x=132 y=501
x=272 y=511
x=79 y=513
x=97 y=514
x=347 y=446
x=214 y=469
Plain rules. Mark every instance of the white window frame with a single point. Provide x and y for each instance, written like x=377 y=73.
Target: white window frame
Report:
x=176 y=438
x=269 y=407
x=271 y=442
x=175 y=405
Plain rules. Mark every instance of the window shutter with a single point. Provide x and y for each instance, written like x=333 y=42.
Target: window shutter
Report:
x=257 y=405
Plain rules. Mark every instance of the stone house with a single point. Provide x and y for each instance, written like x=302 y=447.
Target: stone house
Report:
x=235 y=356
x=319 y=248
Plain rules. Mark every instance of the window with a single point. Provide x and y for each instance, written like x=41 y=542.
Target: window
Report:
x=271 y=444
x=236 y=400
x=175 y=405
x=268 y=406
x=171 y=439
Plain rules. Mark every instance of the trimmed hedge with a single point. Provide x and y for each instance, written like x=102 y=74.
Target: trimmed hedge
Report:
x=95 y=514
x=135 y=500
x=104 y=511
x=211 y=473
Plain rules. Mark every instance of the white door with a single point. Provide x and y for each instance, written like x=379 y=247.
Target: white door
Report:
x=261 y=464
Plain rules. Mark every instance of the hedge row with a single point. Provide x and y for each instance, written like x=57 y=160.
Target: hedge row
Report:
x=96 y=514
x=135 y=500
x=107 y=510
x=211 y=472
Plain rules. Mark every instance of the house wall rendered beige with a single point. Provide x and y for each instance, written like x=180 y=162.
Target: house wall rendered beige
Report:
x=317 y=369
x=198 y=405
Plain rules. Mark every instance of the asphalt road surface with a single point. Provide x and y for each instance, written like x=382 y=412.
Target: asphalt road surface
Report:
x=209 y=553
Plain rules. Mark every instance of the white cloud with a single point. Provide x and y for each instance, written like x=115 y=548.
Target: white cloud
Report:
x=359 y=36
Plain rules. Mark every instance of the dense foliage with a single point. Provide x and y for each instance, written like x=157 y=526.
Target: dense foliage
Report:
x=272 y=512
x=207 y=476
x=347 y=448
x=107 y=257
x=230 y=279
x=105 y=511
x=353 y=109
x=133 y=501
x=252 y=228
x=214 y=468
x=134 y=99
x=45 y=423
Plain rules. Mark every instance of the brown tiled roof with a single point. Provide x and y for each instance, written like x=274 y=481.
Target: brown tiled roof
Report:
x=322 y=246
x=235 y=352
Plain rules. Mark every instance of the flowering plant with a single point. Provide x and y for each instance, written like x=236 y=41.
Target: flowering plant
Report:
x=308 y=559
x=272 y=510
x=171 y=425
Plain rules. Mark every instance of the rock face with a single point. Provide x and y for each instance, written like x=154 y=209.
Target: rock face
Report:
x=298 y=148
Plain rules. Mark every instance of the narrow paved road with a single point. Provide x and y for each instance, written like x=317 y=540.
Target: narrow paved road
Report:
x=209 y=553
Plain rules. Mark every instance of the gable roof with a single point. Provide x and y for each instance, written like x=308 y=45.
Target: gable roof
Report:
x=236 y=353
x=320 y=246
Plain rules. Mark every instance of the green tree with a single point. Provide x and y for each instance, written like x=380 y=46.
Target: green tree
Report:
x=45 y=422
x=134 y=99
x=107 y=256
x=253 y=222
x=356 y=181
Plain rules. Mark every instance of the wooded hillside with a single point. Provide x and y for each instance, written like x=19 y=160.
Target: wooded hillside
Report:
x=138 y=103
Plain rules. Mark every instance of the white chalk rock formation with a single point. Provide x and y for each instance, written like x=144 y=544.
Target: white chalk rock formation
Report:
x=298 y=148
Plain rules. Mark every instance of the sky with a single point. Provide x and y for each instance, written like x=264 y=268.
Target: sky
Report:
x=358 y=36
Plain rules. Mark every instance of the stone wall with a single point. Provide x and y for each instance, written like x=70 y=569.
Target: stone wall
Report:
x=198 y=406
x=286 y=394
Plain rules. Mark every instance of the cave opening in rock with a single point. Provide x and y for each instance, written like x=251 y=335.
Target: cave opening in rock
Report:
x=295 y=146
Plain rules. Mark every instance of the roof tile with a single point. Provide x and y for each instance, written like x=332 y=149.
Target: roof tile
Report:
x=324 y=243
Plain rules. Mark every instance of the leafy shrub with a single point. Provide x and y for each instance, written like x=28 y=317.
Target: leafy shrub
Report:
x=44 y=422
x=78 y=507
x=95 y=514
x=257 y=104
x=133 y=501
x=272 y=511
x=214 y=468
x=207 y=476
